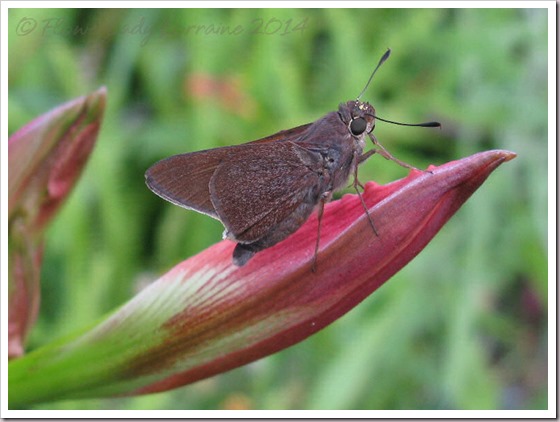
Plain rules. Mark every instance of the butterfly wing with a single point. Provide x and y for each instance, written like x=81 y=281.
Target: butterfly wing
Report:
x=291 y=135
x=265 y=187
x=184 y=179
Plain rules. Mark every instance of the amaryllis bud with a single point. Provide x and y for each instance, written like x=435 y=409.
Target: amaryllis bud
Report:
x=45 y=158
x=206 y=316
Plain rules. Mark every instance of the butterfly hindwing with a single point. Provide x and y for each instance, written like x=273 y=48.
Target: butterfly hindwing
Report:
x=265 y=185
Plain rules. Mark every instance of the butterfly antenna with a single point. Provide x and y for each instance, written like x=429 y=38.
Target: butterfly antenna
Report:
x=381 y=61
x=425 y=124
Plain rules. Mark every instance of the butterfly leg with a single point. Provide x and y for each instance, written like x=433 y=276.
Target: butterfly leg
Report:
x=360 y=159
x=325 y=197
x=366 y=155
x=384 y=153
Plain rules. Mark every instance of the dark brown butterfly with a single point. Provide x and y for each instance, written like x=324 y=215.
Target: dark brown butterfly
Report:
x=264 y=190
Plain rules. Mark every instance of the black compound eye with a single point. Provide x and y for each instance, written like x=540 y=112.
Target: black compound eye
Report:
x=358 y=126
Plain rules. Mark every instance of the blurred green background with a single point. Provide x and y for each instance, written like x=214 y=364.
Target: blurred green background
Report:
x=464 y=326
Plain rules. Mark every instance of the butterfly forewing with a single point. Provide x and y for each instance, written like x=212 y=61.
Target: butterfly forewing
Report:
x=183 y=179
x=289 y=135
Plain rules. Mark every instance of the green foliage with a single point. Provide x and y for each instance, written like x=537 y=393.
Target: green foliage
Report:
x=462 y=327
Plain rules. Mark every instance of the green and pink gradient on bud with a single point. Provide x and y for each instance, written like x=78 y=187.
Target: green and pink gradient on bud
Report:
x=45 y=159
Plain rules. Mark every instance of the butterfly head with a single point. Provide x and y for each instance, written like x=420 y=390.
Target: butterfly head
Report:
x=358 y=116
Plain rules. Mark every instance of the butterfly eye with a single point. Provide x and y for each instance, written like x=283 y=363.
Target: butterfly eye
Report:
x=358 y=126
